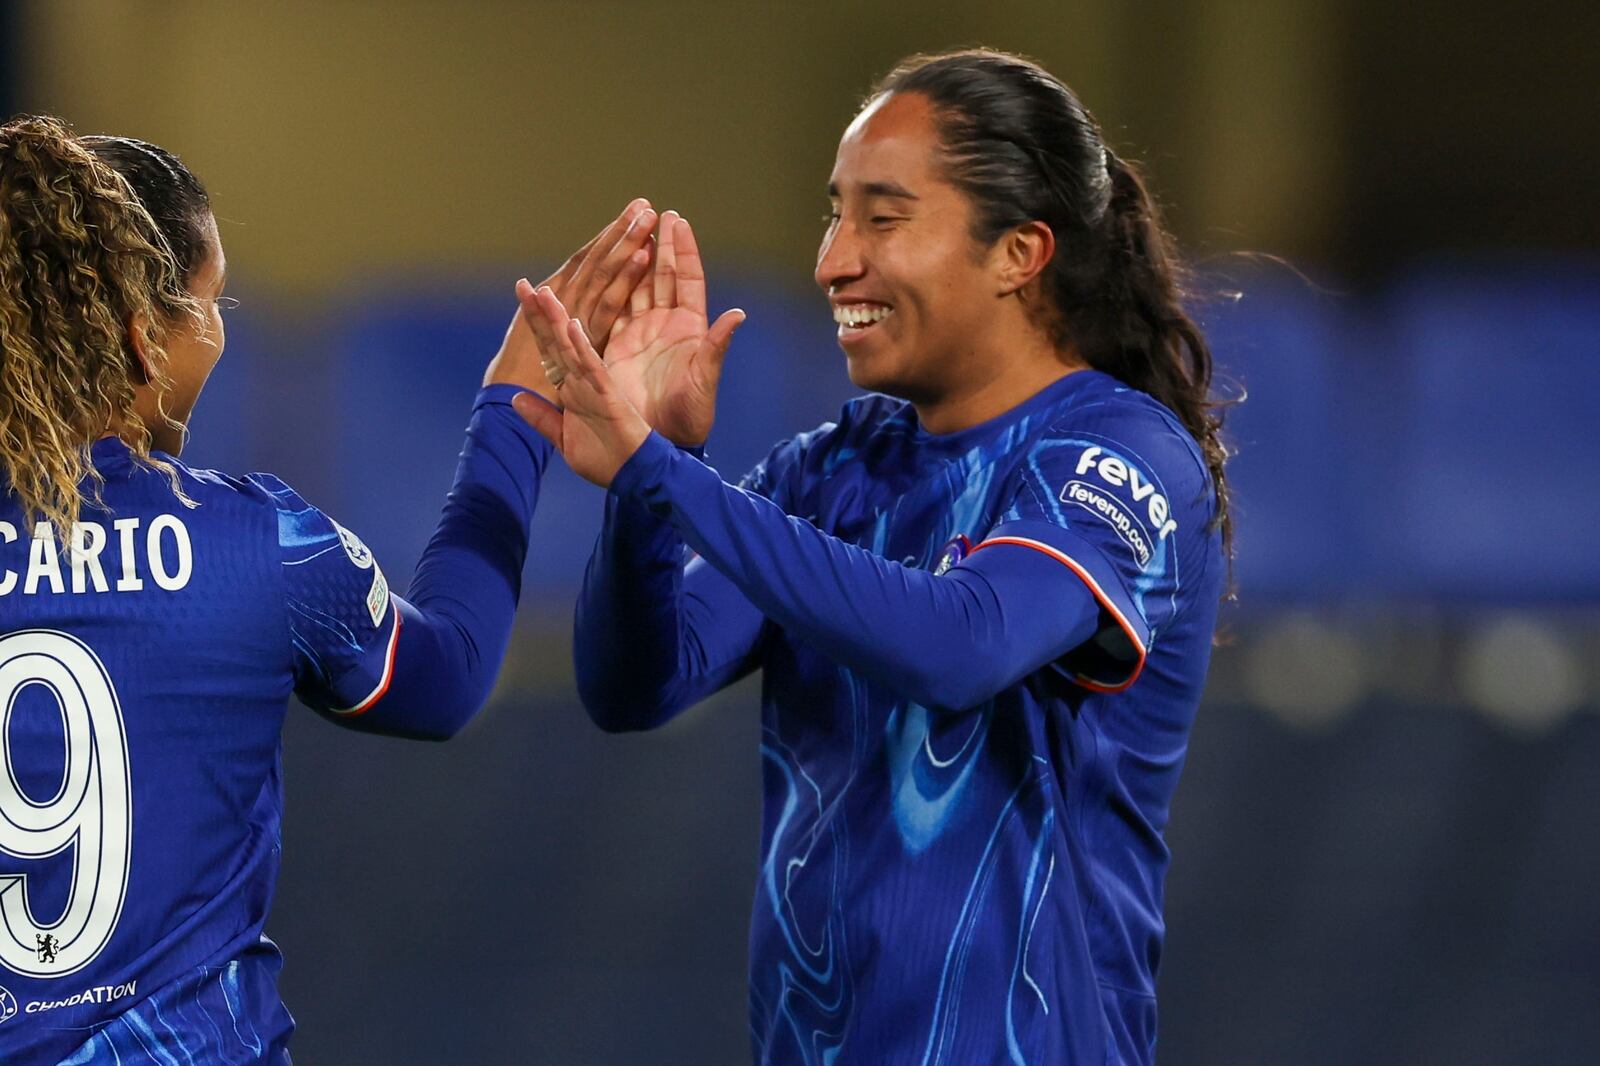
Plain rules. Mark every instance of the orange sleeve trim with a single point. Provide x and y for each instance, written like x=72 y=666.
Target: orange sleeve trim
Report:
x=388 y=672
x=1099 y=594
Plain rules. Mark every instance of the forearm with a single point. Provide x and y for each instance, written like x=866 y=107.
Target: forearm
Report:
x=948 y=641
x=650 y=638
x=455 y=621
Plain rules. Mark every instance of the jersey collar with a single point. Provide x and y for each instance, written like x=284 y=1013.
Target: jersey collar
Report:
x=1052 y=395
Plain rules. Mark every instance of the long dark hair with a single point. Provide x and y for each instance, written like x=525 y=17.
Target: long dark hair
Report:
x=1023 y=148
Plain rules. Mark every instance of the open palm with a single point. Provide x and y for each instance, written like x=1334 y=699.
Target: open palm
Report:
x=661 y=354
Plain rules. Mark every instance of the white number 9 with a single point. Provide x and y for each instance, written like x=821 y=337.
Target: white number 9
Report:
x=91 y=812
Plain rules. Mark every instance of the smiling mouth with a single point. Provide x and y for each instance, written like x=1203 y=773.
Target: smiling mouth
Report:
x=855 y=320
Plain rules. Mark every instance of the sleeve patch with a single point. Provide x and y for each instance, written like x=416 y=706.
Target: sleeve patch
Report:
x=378 y=594
x=358 y=552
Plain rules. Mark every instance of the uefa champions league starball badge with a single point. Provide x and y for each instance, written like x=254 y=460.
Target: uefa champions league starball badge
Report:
x=955 y=550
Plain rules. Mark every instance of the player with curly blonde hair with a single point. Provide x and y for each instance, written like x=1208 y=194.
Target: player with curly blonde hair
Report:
x=86 y=274
x=156 y=617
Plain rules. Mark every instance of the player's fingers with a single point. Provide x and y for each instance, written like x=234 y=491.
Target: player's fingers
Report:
x=688 y=267
x=666 y=286
x=561 y=278
x=608 y=310
x=585 y=293
x=563 y=359
x=639 y=300
x=574 y=284
x=543 y=335
x=570 y=267
x=714 y=348
x=543 y=416
x=544 y=312
x=585 y=361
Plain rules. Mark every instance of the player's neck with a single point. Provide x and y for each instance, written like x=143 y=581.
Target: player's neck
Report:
x=1024 y=371
x=147 y=408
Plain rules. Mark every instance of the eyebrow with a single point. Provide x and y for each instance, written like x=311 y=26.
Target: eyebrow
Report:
x=890 y=189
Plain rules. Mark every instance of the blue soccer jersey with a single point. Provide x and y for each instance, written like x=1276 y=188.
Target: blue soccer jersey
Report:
x=982 y=656
x=146 y=657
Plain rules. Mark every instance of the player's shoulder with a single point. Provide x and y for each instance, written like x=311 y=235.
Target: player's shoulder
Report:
x=1131 y=423
x=1105 y=441
x=297 y=522
x=266 y=491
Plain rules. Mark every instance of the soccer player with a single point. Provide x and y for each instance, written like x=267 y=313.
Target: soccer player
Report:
x=154 y=618
x=983 y=600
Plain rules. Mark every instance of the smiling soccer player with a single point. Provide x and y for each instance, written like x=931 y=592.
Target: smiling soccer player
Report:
x=983 y=601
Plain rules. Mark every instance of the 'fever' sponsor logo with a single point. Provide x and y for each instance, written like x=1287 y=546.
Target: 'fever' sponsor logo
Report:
x=1119 y=474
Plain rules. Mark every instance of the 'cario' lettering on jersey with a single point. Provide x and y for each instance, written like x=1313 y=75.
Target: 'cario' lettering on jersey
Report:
x=1117 y=473
x=159 y=550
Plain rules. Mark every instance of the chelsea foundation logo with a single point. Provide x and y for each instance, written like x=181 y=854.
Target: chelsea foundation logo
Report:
x=8 y=1005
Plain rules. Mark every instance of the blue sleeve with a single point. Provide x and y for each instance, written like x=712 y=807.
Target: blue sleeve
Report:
x=1121 y=499
x=423 y=665
x=949 y=640
x=653 y=634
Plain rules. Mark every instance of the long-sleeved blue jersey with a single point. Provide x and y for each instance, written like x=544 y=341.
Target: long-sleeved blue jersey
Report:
x=146 y=657
x=982 y=655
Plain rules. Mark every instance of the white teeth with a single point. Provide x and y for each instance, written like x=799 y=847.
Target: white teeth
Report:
x=860 y=314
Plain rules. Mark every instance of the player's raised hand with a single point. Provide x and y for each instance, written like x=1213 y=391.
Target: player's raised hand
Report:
x=595 y=282
x=595 y=429
x=662 y=354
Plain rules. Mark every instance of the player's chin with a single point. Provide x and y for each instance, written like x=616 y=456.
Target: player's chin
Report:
x=871 y=368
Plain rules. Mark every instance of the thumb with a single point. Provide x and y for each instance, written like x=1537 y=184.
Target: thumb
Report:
x=714 y=348
x=544 y=416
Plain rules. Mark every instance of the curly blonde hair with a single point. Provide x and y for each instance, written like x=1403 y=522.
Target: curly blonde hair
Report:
x=85 y=272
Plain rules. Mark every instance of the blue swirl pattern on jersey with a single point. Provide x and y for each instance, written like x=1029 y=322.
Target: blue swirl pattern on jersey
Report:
x=212 y=1016
x=942 y=882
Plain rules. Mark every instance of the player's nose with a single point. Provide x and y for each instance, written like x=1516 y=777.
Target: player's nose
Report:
x=839 y=259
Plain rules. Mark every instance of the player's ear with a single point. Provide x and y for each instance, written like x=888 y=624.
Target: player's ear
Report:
x=1021 y=254
x=139 y=346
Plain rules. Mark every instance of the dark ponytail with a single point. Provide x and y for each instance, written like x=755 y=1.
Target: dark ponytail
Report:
x=1023 y=148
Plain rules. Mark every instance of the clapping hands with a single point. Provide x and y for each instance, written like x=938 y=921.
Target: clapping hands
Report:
x=596 y=283
x=662 y=361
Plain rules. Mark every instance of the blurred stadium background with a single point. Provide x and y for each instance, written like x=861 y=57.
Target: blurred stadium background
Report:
x=1385 y=840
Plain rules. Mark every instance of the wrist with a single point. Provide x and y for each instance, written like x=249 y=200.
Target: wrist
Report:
x=628 y=445
x=644 y=468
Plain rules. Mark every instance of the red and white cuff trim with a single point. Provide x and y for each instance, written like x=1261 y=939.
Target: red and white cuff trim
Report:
x=388 y=672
